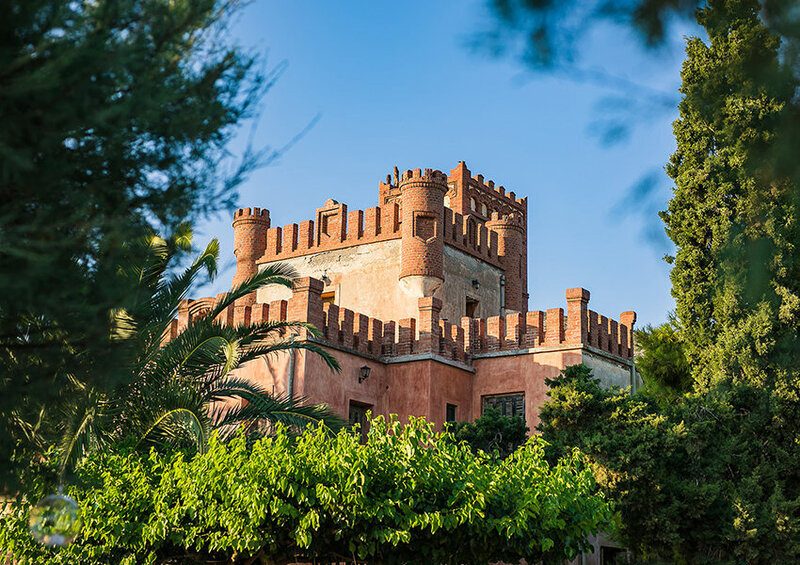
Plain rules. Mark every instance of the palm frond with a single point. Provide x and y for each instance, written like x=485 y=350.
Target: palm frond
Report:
x=175 y=426
x=166 y=298
x=257 y=351
x=181 y=238
x=278 y=273
x=84 y=424
x=260 y=405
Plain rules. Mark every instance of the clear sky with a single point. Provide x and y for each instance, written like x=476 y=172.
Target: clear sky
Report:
x=396 y=83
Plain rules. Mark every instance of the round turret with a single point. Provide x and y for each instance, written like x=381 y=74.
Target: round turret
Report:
x=249 y=244
x=422 y=262
x=513 y=254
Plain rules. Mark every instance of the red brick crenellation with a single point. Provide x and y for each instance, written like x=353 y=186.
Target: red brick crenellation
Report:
x=249 y=242
x=464 y=187
x=428 y=334
x=513 y=257
x=333 y=228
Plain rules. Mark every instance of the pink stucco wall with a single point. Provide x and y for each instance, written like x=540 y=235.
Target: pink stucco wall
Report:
x=520 y=373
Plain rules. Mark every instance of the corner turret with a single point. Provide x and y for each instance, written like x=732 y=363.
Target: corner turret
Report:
x=513 y=256
x=249 y=244
x=422 y=262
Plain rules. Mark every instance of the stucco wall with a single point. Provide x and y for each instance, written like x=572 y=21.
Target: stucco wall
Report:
x=460 y=270
x=415 y=388
x=364 y=278
x=520 y=373
x=610 y=372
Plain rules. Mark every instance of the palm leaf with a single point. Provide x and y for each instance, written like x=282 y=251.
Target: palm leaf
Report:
x=173 y=426
x=288 y=345
x=260 y=405
x=278 y=273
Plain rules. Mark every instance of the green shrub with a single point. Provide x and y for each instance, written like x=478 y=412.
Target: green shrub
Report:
x=492 y=433
x=408 y=496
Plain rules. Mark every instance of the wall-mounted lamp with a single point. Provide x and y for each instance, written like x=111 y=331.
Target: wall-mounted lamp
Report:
x=475 y=284
x=324 y=278
x=364 y=374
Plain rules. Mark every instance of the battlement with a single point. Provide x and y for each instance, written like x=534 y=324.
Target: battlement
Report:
x=430 y=175
x=500 y=190
x=334 y=228
x=507 y=221
x=469 y=190
x=471 y=236
x=259 y=214
x=427 y=333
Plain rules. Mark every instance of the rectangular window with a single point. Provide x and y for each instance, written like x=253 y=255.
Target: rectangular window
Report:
x=507 y=404
x=450 y=415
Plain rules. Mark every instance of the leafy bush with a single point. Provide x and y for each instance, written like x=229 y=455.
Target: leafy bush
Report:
x=709 y=478
x=492 y=433
x=408 y=495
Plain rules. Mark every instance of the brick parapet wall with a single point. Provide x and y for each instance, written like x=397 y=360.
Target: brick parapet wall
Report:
x=333 y=228
x=427 y=333
x=468 y=234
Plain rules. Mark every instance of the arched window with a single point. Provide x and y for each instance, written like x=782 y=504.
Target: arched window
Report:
x=472 y=204
x=483 y=209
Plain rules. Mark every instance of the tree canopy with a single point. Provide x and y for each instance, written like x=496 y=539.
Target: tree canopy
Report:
x=408 y=495
x=661 y=360
x=708 y=478
x=493 y=433
x=735 y=212
x=116 y=114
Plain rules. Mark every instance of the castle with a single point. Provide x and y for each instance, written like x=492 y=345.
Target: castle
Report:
x=423 y=300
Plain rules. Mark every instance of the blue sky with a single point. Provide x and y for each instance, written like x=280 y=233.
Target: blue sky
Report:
x=397 y=84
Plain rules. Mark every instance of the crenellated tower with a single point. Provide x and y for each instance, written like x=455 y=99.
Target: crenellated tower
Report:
x=512 y=253
x=422 y=262
x=249 y=243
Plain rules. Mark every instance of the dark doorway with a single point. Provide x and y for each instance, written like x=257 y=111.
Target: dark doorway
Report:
x=357 y=416
x=471 y=307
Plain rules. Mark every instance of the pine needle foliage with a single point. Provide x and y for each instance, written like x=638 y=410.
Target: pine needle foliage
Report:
x=116 y=116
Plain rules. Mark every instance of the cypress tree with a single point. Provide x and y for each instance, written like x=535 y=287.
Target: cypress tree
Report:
x=734 y=214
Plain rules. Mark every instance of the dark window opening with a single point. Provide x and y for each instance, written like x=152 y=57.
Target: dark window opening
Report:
x=507 y=404
x=613 y=556
x=471 y=307
x=357 y=416
x=450 y=415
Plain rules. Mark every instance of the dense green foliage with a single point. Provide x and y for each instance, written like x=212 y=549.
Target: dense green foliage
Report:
x=182 y=389
x=734 y=216
x=661 y=360
x=407 y=496
x=713 y=475
x=710 y=478
x=115 y=114
x=492 y=433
